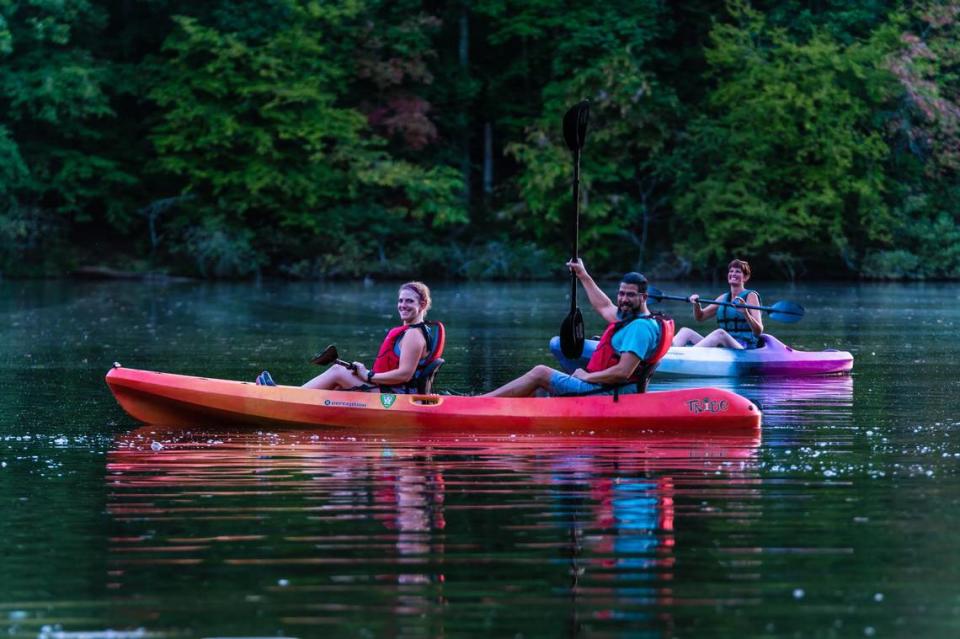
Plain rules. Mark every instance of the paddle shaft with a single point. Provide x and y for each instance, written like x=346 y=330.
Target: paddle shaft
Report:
x=339 y=362
x=576 y=227
x=660 y=296
x=574 y=133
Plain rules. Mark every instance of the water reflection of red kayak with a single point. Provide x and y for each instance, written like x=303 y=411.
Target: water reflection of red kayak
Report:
x=578 y=454
x=181 y=464
x=180 y=400
x=297 y=516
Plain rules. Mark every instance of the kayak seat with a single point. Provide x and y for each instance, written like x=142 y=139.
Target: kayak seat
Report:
x=425 y=380
x=771 y=342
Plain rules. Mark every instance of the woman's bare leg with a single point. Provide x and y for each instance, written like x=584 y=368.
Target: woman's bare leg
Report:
x=719 y=338
x=686 y=337
x=335 y=377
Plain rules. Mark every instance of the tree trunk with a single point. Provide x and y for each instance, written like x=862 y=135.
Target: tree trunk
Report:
x=488 y=158
x=465 y=65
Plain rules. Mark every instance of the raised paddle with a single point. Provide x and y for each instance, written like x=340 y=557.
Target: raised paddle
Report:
x=575 y=134
x=784 y=311
x=329 y=355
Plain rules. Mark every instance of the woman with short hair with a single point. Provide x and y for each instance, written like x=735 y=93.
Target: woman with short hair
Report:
x=738 y=328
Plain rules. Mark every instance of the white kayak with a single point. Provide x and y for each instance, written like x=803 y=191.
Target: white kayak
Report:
x=772 y=358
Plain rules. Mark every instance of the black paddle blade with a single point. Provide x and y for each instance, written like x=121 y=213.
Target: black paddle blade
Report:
x=327 y=356
x=575 y=125
x=571 y=335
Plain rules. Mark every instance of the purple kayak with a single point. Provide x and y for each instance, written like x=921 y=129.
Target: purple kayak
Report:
x=772 y=358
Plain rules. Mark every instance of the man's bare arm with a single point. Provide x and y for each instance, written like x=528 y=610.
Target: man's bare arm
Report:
x=598 y=299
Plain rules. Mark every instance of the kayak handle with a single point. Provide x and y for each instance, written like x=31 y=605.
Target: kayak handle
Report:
x=426 y=400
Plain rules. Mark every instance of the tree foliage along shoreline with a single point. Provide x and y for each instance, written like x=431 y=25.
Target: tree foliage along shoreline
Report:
x=361 y=137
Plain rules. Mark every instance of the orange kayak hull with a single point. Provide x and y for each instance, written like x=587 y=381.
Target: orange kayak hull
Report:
x=180 y=400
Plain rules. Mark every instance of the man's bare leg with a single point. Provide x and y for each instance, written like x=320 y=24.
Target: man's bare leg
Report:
x=525 y=385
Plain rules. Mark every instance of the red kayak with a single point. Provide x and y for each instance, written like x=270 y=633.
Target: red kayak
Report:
x=180 y=400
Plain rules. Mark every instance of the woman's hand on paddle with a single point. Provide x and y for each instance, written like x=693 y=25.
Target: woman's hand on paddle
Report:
x=359 y=370
x=739 y=302
x=694 y=300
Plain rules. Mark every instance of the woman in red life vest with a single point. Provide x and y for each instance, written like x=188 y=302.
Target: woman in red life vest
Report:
x=407 y=349
x=739 y=328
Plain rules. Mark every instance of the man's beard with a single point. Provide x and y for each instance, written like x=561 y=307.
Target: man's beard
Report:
x=629 y=310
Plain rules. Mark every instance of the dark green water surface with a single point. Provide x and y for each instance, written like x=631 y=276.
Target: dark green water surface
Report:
x=842 y=519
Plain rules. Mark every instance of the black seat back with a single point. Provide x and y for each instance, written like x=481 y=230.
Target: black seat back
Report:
x=425 y=379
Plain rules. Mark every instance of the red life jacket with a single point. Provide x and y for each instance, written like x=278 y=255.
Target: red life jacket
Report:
x=605 y=356
x=388 y=358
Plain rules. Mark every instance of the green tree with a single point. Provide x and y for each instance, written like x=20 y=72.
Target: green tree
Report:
x=788 y=156
x=608 y=55
x=924 y=131
x=55 y=100
x=13 y=171
x=259 y=130
x=845 y=21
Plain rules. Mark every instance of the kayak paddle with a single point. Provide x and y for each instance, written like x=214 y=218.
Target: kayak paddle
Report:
x=329 y=355
x=575 y=134
x=784 y=311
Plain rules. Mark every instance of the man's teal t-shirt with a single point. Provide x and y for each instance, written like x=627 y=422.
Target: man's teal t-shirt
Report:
x=639 y=337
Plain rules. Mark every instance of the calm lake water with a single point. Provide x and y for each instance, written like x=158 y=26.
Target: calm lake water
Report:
x=840 y=520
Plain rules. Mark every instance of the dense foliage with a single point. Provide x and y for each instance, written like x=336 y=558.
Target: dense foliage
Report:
x=348 y=138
